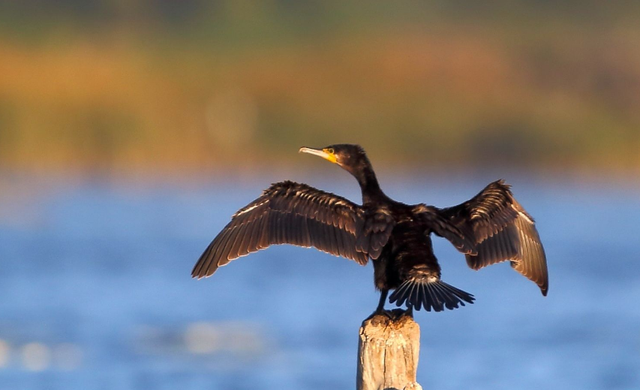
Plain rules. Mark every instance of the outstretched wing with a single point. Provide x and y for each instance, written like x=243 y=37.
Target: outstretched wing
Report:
x=502 y=230
x=287 y=213
x=434 y=221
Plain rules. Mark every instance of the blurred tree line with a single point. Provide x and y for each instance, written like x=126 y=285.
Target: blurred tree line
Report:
x=157 y=85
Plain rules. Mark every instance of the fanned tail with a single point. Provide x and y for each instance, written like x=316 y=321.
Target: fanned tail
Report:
x=434 y=294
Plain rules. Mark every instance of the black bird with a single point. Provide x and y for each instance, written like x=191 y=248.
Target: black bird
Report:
x=489 y=228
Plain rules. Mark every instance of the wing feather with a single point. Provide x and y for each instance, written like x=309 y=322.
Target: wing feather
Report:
x=501 y=230
x=287 y=213
x=374 y=230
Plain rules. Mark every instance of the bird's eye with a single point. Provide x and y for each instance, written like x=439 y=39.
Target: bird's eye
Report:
x=330 y=150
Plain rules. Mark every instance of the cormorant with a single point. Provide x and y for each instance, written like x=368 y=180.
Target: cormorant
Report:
x=489 y=228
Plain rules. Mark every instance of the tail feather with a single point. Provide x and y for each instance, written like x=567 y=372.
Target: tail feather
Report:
x=436 y=295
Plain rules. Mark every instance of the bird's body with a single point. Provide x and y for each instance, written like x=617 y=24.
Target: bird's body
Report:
x=489 y=228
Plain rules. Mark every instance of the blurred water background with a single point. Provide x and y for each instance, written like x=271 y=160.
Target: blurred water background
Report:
x=130 y=131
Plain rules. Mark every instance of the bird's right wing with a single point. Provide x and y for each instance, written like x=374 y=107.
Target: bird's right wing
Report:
x=374 y=232
x=287 y=213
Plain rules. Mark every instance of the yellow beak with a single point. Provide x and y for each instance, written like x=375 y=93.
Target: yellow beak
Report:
x=324 y=153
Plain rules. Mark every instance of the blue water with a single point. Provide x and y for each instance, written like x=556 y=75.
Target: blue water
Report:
x=96 y=294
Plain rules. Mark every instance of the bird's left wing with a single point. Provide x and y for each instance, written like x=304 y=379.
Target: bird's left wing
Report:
x=434 y=221
x=287 y=213
x=501 y=230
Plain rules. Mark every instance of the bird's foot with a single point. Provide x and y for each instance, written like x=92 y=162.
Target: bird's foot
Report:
x=409 y=311
x=383 y=316
x=379 y=316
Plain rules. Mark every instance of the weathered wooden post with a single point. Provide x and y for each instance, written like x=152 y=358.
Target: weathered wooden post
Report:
x=388 y=352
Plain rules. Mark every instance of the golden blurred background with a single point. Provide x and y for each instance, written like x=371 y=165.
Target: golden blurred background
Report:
x=157 y=86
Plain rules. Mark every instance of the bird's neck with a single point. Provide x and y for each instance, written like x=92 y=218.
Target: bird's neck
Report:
x=369 y=184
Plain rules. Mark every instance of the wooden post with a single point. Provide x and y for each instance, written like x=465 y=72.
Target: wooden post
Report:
x=388 y=352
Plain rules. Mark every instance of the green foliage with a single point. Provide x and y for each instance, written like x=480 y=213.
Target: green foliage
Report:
x=195 y=84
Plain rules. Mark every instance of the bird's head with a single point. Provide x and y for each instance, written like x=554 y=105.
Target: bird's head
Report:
x=349 y=157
